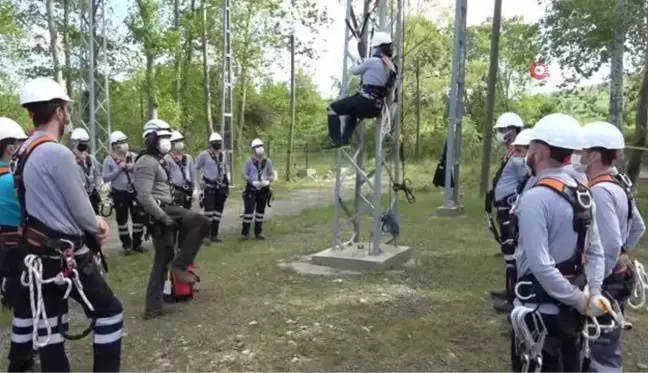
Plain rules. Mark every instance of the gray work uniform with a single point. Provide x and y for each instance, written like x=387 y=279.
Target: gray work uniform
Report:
x=154 y=194
x=547 y=237
x=114 y=175
x=616 y=232
x=513 y=174
x=254 y=199
x=58 y=205
x=211 y=171
x=213 y=164
x=177 y=176
x=373 y=71
x=92 y=176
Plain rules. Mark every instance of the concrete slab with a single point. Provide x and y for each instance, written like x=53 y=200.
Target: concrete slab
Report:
x=450 y=212
x=356 y=257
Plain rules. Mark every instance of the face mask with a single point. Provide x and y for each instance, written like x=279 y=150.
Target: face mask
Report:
x=216 y=145
x=580 y=163
x=164 y=145
x=258 y=150
x=178 y=146
x=82 y=147
x=122 y=147
x=501 y=137
x=529 y=164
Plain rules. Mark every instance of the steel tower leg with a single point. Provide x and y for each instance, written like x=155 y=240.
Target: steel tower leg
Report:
x=227 y=102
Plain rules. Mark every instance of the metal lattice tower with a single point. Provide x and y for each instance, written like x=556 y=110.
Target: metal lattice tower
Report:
x=227 y=102
x=94 y=88
x=451 y=206
x=387 y=134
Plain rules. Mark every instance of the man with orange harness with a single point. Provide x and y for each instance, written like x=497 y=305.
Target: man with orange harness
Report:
x=378 y=78
x=620 y=226
x=165 y=219
x=60 y=231
x=88 y=166
x=11 y=251
x=213 y=164
x=559 y=255
x=508 y=177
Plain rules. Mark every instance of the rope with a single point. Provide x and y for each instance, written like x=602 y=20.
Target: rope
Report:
x=32 y=277
x=390 y=223
x=640 y=285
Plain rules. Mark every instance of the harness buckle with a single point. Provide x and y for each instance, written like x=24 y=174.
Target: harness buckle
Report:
x=68 y=262
x=130 y=188
x=517 y=290
x=625 y=180
x=584 y=198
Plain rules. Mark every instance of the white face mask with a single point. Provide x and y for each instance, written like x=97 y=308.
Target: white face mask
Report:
x=501 y=137
x=576 y=163
x=178 y=145
x=164 y=145
x=258 y=150
x=122 y=147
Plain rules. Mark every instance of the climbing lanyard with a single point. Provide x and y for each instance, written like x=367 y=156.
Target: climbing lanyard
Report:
x=640 y=285
x=528 y=344
x=32 y=277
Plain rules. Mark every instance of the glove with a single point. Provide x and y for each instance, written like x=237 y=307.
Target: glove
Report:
x=196 y=194
x=168 y=222
x=598 y=306
x=265 y=183
x=256 y=184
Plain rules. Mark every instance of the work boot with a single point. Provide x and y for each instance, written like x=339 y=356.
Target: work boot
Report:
x=128 y=251
x=260 y=237
x=140 y=249
x=245 y=237
x=184 y=276
x=151 y=314
x=504 y=308
x=215 y=239
x=499 y=294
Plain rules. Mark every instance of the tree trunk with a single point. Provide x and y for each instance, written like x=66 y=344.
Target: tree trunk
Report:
x=66 y=47
x=616 y=74
x=639 y=137
x=490 y=99
x=240 y=119
x=417 y=151
x=187 y=65
x=51 y=24
x=178 y=53
x=150 y=84
x=206 y=86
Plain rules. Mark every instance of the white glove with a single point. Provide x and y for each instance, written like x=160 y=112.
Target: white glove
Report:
x=265 y=183
x=196 y=193
x=598 y=305
x=256 y=184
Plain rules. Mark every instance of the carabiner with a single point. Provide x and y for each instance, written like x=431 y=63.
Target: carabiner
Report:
x=585 y=203
x=595 y=326
x=517 y=290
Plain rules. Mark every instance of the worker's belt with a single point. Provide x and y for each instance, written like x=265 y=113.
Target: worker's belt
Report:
x=503 y=210
x=620 y=283
x=43 y=240
x=374 y=91
x=10 y=237
x=184 y=189
x=213 y=184
x=529 y=290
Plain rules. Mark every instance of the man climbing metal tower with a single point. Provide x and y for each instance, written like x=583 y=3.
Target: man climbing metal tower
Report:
x=378 y=77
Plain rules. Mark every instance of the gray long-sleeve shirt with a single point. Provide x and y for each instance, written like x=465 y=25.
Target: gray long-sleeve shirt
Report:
x=152 y=185
x=210 y=168
x=91 y=176
x=373 y=71
x=253 y=170
x=115 y=175
x=612 y=219
x=547 y=237
x=176 y=173
x=54 y=192
x=513 y=174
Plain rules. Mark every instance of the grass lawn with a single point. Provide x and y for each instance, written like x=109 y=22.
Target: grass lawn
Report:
x=252 y=315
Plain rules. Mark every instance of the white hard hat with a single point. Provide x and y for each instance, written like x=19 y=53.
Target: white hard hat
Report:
x=215 y=136
x=158 y=126
x=602 y=135
x=509 y=120
x=117 y=136
x=79 y=134
x=9 y=129
x=42 y=90
x=255 y=143
x=380 y=38
x=176 y=136
x=558 y=130
x=523 y=138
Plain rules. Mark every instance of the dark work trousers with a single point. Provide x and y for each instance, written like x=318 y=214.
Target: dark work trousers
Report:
x=507 y=236
x=214 y=204
x=95 y=200
x=562 y=351
x=184 y=200
x=254 y=202
x=125 y=204
x=354 y=108
x=194 y=227
x=107 y=332
x=21 y=353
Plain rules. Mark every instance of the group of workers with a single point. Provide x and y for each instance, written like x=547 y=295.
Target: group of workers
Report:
x=51 y=232
x=567 y=221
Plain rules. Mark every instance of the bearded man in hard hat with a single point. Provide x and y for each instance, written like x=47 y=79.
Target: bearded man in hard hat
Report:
x=378 y=76
x=60 y=231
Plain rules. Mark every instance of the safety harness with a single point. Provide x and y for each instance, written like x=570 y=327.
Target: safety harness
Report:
x=44 y=242
x=379 y=93
x=503 y=207
x=214 y=186
x=186 y=189
x=150 y=222
x=624 y=183
x=580 y=199
x=87 y=166
x=261 y=168
x=130 y=187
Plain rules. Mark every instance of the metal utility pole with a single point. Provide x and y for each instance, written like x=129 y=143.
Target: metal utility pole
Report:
x=450 y=205
x=292 y=106
x=490 y=98
x=227 y=101
x=94 y=102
